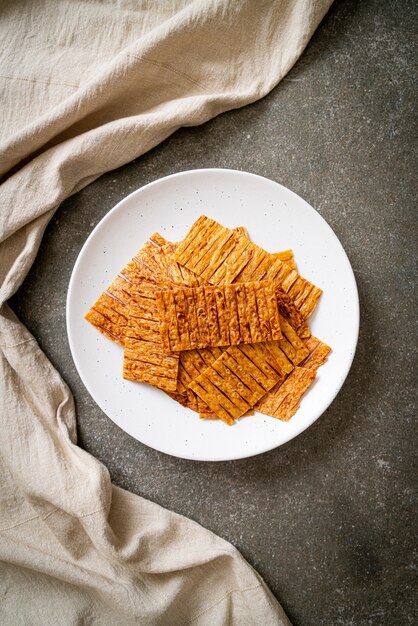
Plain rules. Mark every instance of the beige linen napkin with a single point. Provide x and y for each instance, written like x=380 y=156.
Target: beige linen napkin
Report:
x=86 y=87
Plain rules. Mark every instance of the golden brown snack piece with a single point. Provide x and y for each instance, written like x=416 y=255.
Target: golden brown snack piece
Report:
x=220 y=255
x=146 y=266
x=288 y=309
x=109 y=314
x=291 y=344
x=181 y=398
x=283 y=400
x=189 y=400
x=243 y=232
x=285 y=303
x=287 y=257
x=210 y=316
x=145 y=359
x=234 y=382
x=318 y=353
x=110 y=317
x=208 y=416
x=304 y=331
x=196 y=251
x=158 y=240
x=193 y=363
x=175 y=273
x=211 y=415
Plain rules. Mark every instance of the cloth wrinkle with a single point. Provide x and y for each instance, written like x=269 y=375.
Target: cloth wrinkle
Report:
x=166 y=66
x=231 y=592
x=19 y=343
x=37 y=80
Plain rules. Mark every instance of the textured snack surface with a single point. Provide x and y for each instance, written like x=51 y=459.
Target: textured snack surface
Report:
x=220 y=256
x=234 y=382
x=210 y=316
x=145 y=359
x=283 y=400
x=109 y=314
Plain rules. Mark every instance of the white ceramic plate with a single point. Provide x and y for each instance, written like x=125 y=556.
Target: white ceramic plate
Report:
x=277 y=219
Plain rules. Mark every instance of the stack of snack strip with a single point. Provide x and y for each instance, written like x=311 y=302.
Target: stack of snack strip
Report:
x=216 y=322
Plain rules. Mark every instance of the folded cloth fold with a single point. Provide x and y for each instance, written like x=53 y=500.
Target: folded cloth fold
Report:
x=88 y=87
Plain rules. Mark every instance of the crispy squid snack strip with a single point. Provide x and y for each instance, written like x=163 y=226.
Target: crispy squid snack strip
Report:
x=234 y=382
x=110 y=317
x=198 y=245
x=244 y=330
x=182 y=317
x=179 y=274
x=215 y=252
x=211 y=415
x=207 y=316
x=288 y=309
x=146 y=266
x=223 y=321
x=232 y=314
x=273 y=313
x=176 y=273
x=287 y=257
x=283 y=400
x=159 y=241
x=264 y=308
x=285 y=303
x=242 y=231
x=318 y=353
x=109 y=314
x=304 y=331
x=201 y=314
x=253 y=314
x=212 y=319
x=193 y=363
x=145 y=359
x=291 y=344
x=191 y=401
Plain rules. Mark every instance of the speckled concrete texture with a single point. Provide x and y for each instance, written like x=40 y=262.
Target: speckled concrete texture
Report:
x=328 y=519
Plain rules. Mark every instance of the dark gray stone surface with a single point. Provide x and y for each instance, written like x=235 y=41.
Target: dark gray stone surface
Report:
x=328 y=519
